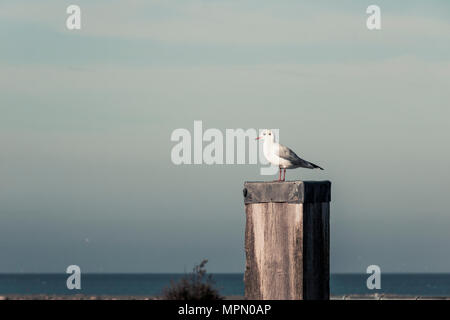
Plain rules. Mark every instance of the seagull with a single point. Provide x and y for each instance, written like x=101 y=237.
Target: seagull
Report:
x=282 y=156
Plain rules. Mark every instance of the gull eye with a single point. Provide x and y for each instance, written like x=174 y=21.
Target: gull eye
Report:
x=264 y=133
x=270 y=134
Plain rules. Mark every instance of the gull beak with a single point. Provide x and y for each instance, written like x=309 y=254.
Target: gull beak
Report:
x=258 y=138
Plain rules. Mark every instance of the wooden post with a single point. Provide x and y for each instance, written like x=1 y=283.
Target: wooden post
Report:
x=287 y=239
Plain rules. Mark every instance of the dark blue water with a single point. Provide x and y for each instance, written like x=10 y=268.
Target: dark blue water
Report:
x=108 y=284
x=228 y=284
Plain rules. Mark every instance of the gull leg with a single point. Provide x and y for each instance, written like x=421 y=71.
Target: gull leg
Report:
x=279 y=176
x=284 y=175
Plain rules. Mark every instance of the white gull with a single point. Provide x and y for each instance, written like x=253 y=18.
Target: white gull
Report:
x=282 y=156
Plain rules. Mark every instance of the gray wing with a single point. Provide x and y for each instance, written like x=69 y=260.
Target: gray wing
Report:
x=286 y=153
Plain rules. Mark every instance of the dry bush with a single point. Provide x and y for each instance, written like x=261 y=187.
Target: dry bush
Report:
x=193 y=286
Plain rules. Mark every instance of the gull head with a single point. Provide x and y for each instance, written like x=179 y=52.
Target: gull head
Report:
x=267 y=135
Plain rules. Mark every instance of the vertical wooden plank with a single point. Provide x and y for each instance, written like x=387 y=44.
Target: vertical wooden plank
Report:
x=252 y=276
x=274 y=248
x=287 y=240
x=326 y=250
x=316 y=268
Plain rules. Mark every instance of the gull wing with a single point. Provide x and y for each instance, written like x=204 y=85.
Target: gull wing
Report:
x=287 y=154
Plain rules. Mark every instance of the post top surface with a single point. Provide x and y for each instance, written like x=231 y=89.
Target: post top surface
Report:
x=296 y=191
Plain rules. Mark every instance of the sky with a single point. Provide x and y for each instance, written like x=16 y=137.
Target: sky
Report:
x=86 y=118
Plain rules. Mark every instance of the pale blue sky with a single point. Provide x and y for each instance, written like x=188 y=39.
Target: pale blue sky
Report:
x=86 y=118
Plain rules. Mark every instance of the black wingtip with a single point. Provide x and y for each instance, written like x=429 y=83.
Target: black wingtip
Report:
x=311 y=165
x=316 y=166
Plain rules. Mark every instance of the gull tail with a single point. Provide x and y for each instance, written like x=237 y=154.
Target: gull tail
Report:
x=315 y=166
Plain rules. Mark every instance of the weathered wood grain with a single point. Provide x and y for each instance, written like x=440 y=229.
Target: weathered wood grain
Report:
x=288 y=191
x=287 y=243
x=273 y=234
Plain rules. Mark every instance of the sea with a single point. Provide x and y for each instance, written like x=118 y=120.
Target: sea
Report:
x=227 y=283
